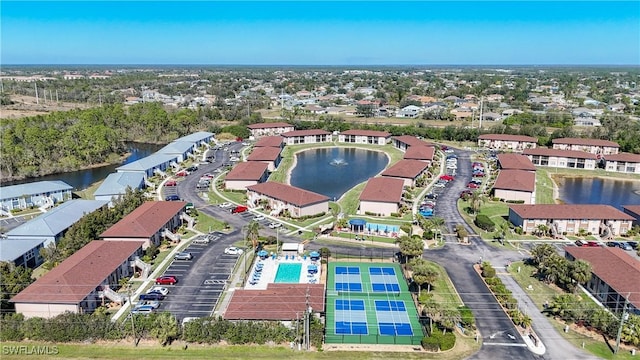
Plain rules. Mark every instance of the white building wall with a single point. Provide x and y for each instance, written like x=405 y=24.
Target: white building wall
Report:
x=385 y=209
x=513 y=195
x=238 y=184
x=46 y=311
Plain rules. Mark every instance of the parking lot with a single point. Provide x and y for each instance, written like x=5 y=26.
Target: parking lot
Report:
x=201 y=280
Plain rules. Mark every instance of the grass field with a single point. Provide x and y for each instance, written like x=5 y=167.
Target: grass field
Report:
x=544 y=187
x=205 y=223
x=196 y=351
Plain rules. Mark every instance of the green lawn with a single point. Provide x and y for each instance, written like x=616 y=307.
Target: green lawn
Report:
x=443 y=290
x=350 y=201
x=498 y=212
x=544 y=187
x=205 y=223
x=370 y=238
x=197 y=351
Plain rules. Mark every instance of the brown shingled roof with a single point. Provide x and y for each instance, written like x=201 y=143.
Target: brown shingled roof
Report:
x=632 y=208
x=583 y=141
x=288 y=193
x=264 y=154
x=565 y=211
x=510 y=161
x=277 y=302
x=411 y=140
x=146 y=220
x=250 y=170
x=615 y=267
x=508 y=137
x=269 y=141
x=382 y=189
x=80 y=274
x=409 y=169
x=560 y=153
x=358 y=132
x=518 y=180
x=269 y=125
x=626 y=157
x=305 y=133
x=421 y=152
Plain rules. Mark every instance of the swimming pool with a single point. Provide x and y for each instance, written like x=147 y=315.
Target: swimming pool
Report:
x=288 y=273
x=381 y=227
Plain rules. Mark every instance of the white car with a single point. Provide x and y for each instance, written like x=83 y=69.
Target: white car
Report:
x=225 y=205
x=258 y=217
x=234 y=158
x=159 y=289
x=245 y=144
x=232 y=250
x=274 y=225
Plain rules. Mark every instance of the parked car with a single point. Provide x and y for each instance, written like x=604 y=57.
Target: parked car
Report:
x=431 y=196
x=613 y=244
x=172 y=198
x=151 y=297
x=465 y=193
x=239 y=209
x=274 y=225
x=208 y=175
x=167 y=280
x=183 y=256
x=158 y=289
x=439 y=185
x=153 y=304
x=170 y=183
x=593 y=244
x=182 y=173
x=633 y=244
x=232 y=250
x=473 y=185
x=192 y=168
x=624 y=246
x=225 y=205
x=581 y=243
x=142 y=310
x=258 y=217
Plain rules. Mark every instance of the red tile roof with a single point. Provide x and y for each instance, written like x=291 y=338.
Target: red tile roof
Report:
x=310 y=132
x=560 y=153
x=615 y=267
x=250 y=170
x=287 y=193
x=357 y=132
x=269 y=125
x=269 y=141
x=382 y=189
x=411 y=140
x=508 y=137
x=510 y=161
x=421 y=152
x=409 y=169
x=264 y=154
x=146 y=220
x=585 y=142
x=277 y=302
x=624 y=157
x=80 y=274
x=565 y=211
x=518 y=180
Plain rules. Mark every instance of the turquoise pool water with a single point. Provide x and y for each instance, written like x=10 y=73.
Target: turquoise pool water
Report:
x=381 y=227
x=288 y=273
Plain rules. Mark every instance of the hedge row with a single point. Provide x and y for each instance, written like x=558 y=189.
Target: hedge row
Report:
x=484 y=222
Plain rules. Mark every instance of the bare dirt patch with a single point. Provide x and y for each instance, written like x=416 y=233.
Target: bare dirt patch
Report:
x=28 y=106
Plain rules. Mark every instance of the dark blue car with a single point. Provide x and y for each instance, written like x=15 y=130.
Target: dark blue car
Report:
x=172 y=198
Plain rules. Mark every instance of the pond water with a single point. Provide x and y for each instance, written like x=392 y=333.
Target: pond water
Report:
x=82 y=179
x=573 y=190
x=333 y=171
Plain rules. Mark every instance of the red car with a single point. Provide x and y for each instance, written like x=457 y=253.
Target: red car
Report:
x=239 y=209
x=473 y=185
x=182 y=173
x=465 y=193
x=166 y=280
x=447 y=178
x=170 y=183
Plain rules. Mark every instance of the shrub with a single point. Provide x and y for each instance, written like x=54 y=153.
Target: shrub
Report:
x=518 y=230
x=484 y=223
x=515 y=201
x=395 y=215
x=447 y=341
x=488 y=271
x=430 y=343
x=466 y=317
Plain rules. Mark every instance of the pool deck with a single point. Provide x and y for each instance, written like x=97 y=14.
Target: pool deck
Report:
x=270 y=268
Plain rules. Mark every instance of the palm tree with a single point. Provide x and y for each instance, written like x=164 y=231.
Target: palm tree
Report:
x=476 y=199
x=424 y=274
x=165 y=328
x=542 y=229
x=540 y=253
x=253 y=233
x=580 y=271
x=410 y=246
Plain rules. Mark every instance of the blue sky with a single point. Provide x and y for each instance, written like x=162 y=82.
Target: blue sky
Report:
x=321 y=33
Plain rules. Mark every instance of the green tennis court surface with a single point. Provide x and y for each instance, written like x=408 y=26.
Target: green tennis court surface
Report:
x=369 y=303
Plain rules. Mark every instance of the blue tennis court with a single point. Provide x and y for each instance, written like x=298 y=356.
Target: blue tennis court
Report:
x=393 y=318
x=350 y=317
x=348 y=279
x=383 y=279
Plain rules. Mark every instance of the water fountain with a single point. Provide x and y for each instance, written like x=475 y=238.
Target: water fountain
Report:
x=338 y=162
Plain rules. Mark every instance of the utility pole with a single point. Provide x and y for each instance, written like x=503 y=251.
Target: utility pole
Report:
x=35 y=86
x=623 y=317
x=307 y=321
x=133 y=323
